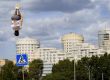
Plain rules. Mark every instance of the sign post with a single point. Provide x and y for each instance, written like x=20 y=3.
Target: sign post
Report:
x=21 y=60
x=23 y=72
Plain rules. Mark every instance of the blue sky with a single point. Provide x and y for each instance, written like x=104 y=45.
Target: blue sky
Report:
x=48 y=20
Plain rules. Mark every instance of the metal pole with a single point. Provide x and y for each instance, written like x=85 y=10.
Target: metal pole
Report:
x=74 y=70
x=2 y=74
x=23 y=72
x=89 y=74
x=102 y=76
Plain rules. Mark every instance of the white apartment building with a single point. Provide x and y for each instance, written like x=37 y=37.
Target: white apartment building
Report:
x=104 y=40
x=28 y=46
x=47 y=68
x=69 y=40
x=32 y=48
x=51 y=55
x=75 y=48
x=85 y=50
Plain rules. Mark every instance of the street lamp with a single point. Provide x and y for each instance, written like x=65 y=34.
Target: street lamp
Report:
x=73 y=51
x=74 y=67
x=22 y=72
x=102 y=74
x=74 y=70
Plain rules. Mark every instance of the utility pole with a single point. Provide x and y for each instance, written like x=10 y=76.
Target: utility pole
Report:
x=74 y=71
x=102 y=76
x=102 y=73
x=89 y=73
x=23 y=72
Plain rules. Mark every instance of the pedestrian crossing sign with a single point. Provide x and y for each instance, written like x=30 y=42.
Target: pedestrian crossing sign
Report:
x=21 y=60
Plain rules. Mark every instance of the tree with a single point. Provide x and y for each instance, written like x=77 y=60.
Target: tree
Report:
x=62 y=66
x=8 y=71
x=61 y=71
x=83 y=69
x=22 y=72
x=104 y=66
x=59 y=76
x=35 y=69
x=94 y=68
x=0 y=75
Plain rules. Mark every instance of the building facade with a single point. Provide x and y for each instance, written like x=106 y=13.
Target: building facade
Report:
x=86 y=50
x=32 y=48
x=104 y=40
x=28 y=46
x=69 y=40
x=75 y=47
x=51 y=55
x=47 y=68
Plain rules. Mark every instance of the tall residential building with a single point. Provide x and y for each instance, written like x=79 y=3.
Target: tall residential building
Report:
x=28 y=46
x=51 y=55
x=104 y=40
x=75 y=48
x=69 y=41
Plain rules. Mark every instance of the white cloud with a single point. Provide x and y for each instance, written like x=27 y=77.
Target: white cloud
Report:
x=54 y=5
x=48 y=29
x=50 y=24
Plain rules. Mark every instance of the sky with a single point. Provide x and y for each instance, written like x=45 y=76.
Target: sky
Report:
x=48 y=20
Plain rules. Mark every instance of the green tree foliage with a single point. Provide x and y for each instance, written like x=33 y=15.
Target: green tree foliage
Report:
x=82 y=68
x=22 y=72
x=62 y=66
x=35 y=69
x=61 y=71
x=59 y=76
x=93 y=67
x=8 y=71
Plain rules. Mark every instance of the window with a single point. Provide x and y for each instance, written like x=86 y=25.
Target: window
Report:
x=106 y=36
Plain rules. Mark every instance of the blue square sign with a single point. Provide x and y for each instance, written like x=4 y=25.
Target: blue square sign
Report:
x=21 y=60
